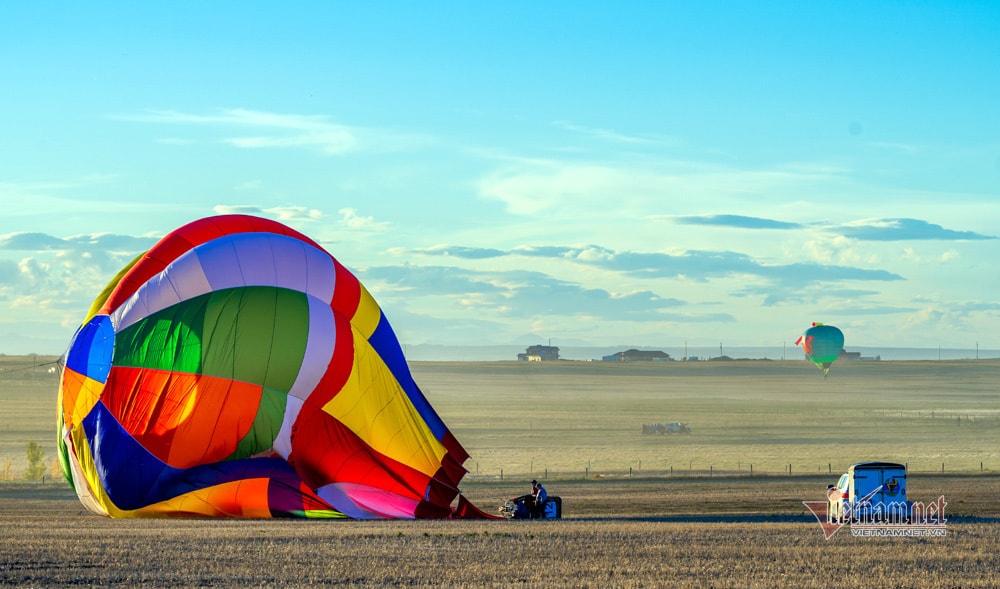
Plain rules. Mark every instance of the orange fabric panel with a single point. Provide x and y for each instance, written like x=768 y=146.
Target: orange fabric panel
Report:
x=246 y=498
x=79 y=395
x=182 y=419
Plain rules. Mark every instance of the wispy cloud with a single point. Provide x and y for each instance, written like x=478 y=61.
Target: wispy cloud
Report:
x=738 y=221
x=255 y=129
x=606 y=134
x=289 y=213
x=521 y=293
x=902 y=229
x=528 y=188
x=693 y=264
x=889 y=229
x=41 y=242
x=278 y=130
x=350 y=218
x=458 y=251
x=19 y=189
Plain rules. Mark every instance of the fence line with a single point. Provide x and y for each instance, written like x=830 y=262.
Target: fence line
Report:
x=744 y=470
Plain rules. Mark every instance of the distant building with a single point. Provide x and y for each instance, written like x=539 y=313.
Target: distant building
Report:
x=539 y=354
x=633 y=355
x=857 y=356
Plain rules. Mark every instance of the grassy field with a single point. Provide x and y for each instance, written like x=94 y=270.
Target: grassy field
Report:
x=577 y=418
x=687 y=514
x=681 y=532
x=28 y=390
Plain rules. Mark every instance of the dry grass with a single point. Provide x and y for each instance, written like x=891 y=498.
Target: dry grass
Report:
x=28 y=394
x=570 y=418
x=50 y=542
x=685 y=530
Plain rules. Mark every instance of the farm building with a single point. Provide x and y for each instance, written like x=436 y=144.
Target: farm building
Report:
x=633 y=355
x=539 y=353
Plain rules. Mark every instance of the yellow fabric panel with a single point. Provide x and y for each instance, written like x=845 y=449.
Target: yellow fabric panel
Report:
x=324 y=514
x=77 y=396
x=374 y=406
x=368 y=315
x=85 y=457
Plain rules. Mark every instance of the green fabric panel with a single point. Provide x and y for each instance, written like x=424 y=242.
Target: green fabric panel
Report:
x=63 y=451
x=266 y=424
x=256 y=334
x=166 y=340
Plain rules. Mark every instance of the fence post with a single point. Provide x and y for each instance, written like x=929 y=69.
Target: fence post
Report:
x=751 y=469
x=501 y=474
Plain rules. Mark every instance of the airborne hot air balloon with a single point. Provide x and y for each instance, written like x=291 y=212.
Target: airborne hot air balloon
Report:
x=237 y=369
x=822 y=345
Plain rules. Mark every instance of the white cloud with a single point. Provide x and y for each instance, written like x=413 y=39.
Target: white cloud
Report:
x=286 y=213
x=531 y=187
x=529 y=192
x=334 y=142
x=350 y=218
x=609 y=135
x=282 y=130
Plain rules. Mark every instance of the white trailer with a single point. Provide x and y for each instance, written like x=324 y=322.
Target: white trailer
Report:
x=870 y=492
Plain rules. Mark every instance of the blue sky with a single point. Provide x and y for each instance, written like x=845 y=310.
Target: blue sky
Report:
x=647 y=173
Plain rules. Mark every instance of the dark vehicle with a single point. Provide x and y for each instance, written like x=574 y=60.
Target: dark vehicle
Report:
x=522 y=508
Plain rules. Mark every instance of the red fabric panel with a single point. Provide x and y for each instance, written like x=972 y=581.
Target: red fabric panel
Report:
x=440 y=491
x=451 y=471
x=336 y=454
x=346 y=294
x=337 y=371
x=427 y=510
x=182 y=419
x=466 y=510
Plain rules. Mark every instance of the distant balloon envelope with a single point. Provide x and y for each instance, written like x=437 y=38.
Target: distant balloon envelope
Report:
x=237 y=369
x=822 y=345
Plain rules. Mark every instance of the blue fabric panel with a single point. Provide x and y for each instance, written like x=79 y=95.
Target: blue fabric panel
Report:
x=133 y=478
x=93 y=348
x=384 y=341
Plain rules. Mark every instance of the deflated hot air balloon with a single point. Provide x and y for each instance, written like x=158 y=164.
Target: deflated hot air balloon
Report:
x=822 y=345
x=236 y=369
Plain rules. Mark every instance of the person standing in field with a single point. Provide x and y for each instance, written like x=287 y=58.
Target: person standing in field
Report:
x=539 y=496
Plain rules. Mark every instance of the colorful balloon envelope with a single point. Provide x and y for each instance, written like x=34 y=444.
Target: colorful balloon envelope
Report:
x=237 y=369
x=822 y=345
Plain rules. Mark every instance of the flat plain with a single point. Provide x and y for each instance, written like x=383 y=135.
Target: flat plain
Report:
x=639 y=510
